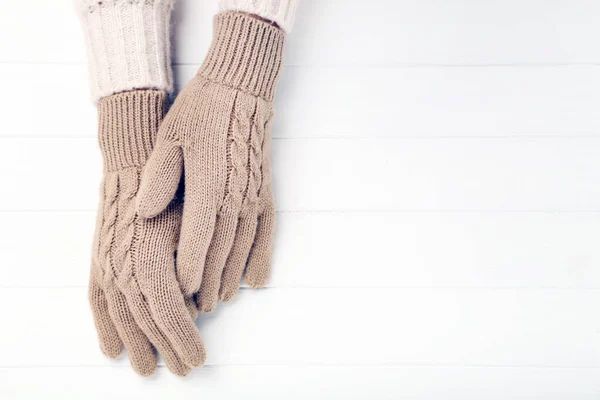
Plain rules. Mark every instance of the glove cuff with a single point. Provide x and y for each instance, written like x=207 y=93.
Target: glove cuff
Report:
x=128 y=125
x=128 y=44
x=281 y=12
x=246 y=53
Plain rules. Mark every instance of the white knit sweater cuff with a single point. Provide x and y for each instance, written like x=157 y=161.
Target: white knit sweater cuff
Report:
x=280 y=11
x=128 y=44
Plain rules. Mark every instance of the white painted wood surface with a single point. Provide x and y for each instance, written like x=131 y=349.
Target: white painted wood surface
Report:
x=436 y=168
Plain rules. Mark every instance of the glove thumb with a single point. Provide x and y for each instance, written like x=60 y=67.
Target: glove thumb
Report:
x=160 y=178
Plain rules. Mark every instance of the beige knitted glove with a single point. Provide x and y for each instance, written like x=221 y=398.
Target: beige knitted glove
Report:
x=134 y=294
x=219 y=128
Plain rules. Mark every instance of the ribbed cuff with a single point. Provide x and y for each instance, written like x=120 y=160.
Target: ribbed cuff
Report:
x=128 y=44
x=281 y=12
x=246 y=54
x=129 y=124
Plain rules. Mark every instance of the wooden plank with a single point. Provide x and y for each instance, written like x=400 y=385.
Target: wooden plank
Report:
x=53 y=101
x=348 y=175
x=398 y=327
x=274 y=382
x=350 y=250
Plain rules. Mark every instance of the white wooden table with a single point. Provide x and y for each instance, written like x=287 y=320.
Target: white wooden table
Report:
x=437 y=169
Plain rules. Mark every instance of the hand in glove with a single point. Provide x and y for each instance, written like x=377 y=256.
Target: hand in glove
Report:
x=218 y=135
x=133 y=290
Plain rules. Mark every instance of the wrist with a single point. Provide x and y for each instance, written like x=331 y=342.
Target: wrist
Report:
x=246 y=54
x=128 y=126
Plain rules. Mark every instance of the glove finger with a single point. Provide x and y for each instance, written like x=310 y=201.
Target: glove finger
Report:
x=155 y=272
x=160 y=179
x=110 y=343
x=258 y=269
x=139 y=349
x=236 y=262
x=143 y=317
x=196 y=233
x=172 y=316
x=216 y=258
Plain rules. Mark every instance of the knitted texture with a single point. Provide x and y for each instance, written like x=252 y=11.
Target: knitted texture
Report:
x=219 y=127
x=133 y=290
x=128 y=44
x=281 y=12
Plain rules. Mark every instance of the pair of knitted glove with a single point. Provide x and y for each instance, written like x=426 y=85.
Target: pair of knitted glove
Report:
x=186 y=202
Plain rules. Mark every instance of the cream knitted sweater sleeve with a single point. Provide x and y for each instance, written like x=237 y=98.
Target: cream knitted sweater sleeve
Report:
x=128 y=44
x=281 y=12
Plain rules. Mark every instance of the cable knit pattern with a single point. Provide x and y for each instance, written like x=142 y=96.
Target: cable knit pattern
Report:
x=129 y=182
x=219 y=128
x=237 y=161
x=128 y=44
x=255 y=155
x=107 y=231
x=282 y=12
